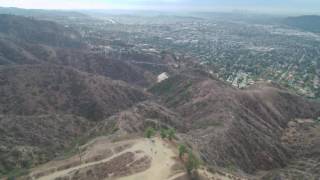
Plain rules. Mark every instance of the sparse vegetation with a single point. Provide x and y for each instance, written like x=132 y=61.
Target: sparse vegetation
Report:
x=12 y=175
x=163 y=133
x=171 y=133
x=192 y=163
x=182 y=150
x=239 y=81
x=149 y=132
x=164 y=87
x=231 y=167
x=80 y=152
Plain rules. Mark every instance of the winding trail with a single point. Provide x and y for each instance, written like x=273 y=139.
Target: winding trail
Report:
x=162 y=154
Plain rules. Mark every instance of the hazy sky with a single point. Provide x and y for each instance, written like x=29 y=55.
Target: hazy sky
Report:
x=310 y=6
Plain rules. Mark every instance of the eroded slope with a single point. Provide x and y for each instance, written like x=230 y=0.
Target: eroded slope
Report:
x=234 y=128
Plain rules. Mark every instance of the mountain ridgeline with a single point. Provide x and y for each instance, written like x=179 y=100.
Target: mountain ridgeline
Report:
x=47 y=32
x=307 y=23
x=57 y=93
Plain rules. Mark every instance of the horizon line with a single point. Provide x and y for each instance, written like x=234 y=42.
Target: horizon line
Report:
x=266 y=11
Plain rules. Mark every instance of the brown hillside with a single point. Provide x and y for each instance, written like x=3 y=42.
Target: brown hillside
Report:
x=230 y=127
x=12 y=53
x=139 y=117
x=19 y=53
x=29 y=140
x=39 y=31
x=46 y=108
x=42 y=89
x=105 y=66
x=29 y=41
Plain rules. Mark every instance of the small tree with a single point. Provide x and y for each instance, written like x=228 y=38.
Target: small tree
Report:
x=80 y=152
x=11 y=178
x=163 y=133
x=149 y=132
x=239 y=81
x=182 y=150
x=171 y=133
x=193 y=163
x=318 y=119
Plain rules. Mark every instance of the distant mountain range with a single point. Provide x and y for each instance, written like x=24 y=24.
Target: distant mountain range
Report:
x=308 y=23
x=40 y=13
x=47 y=33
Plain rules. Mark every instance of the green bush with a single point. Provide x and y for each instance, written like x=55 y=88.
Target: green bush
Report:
x=150 y=132
x=163 y=133
x=182 y=150
x=193 y=162
x=11 y=178
x=171 y=133
x=26 y=164
x=12 y=175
